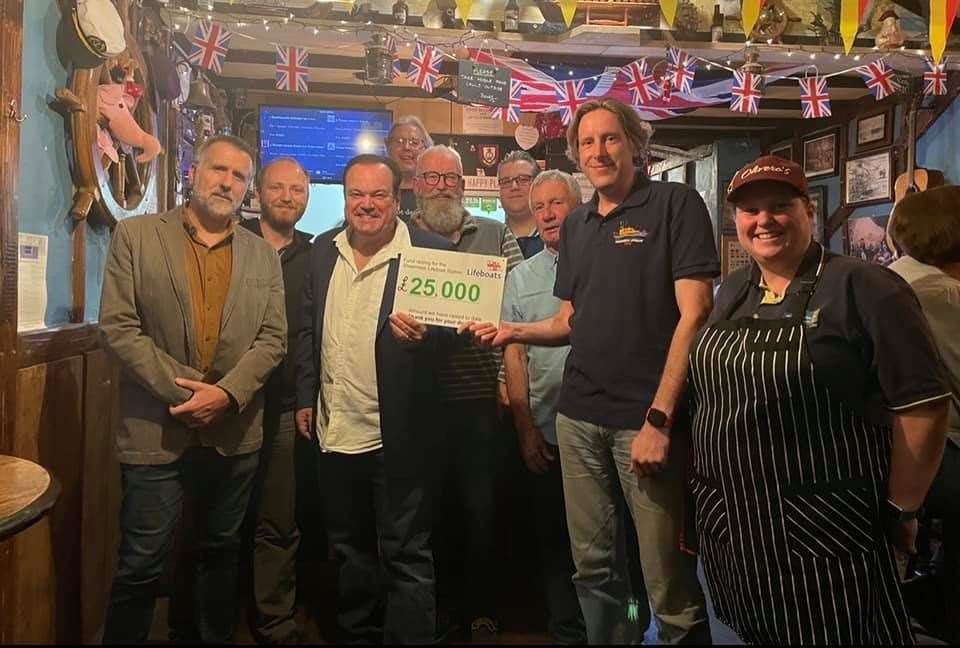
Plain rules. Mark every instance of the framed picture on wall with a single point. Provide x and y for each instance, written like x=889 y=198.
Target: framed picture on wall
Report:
x=783 y=150
x=818 y=199
x=867 y=179
x=864 y=239
x=875 y=131
x=820 y=154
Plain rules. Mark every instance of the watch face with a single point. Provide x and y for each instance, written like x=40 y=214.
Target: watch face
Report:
x=657 y=418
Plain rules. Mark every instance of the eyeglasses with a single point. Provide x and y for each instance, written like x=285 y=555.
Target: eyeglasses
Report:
x=406 y=142
x=432 y=178
x=521 y=180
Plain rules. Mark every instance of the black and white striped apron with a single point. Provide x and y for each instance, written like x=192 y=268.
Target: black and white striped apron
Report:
x=787 y=482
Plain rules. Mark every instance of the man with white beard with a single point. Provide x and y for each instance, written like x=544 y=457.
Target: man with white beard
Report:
x=468 y=379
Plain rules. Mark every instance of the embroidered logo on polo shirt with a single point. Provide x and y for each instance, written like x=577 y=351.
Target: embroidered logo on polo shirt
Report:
x=627 y=235
x=811 y=319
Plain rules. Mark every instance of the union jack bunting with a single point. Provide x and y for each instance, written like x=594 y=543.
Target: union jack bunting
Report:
x=746 y=92
x=293 y=75
x=424 y=68
x=814 y=98
x=210 y=44
x=641 y=82
x=681 y=69
x=570 y=96
x=510 y=113
x=878 y=77
x=935 y=79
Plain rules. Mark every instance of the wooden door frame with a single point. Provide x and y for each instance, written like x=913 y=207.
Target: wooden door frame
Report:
x=11 y=47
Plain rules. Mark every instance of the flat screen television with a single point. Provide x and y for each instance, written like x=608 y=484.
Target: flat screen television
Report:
x=322 y=139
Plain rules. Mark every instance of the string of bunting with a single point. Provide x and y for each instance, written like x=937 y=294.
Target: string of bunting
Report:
x=534 y=89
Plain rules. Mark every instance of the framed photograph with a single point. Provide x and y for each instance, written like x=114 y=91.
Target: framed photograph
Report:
x=818 y=199
x=868 y=179
x=874 y=131
x=820 y=155
x=732 y=254
x=864 y=239
x=783 y=150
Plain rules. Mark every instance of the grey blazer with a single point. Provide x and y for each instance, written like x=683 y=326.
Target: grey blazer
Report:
x=146 y=324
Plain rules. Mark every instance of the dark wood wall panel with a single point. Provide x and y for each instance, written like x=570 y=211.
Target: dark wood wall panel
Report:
x=49 y=430
x=101 y=489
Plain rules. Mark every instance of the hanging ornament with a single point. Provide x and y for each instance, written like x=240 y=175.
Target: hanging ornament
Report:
x=463 y=6
x=640 y=81
x=669 y=9
x=569 y=9
x=746 y=92
x=942 y=15
x=851 y=16
x=889 y=36
x=749 y=12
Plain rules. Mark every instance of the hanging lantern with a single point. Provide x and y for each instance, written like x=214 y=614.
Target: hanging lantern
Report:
x=378 y=61
x=400 y=12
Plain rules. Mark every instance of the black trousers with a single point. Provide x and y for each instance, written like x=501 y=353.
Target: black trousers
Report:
x=943 y=501
x=380 y=532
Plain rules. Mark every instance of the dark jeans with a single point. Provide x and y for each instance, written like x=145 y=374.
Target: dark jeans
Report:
x=556 y=562
x=943 y=501
x=380 y=532
x=276 y=536
x=470 y=456
x=149 y=515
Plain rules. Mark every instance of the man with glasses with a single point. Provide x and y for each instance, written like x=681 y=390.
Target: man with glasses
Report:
x=405 y=142
x=514 y=175
x=468 y=385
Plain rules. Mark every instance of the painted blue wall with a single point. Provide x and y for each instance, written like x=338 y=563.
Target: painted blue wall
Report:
x=939 y=148
x=45 y=188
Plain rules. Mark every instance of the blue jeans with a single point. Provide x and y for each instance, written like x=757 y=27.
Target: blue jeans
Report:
x=595 y=462
x=149 y=515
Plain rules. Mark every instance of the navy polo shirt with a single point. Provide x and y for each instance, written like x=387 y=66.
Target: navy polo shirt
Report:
x=618 y=271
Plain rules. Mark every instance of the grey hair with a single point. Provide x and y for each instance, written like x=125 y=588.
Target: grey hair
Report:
x=446 y=150
x=519 y=156
x=200 y=152
x=258 y=183
x=556 y=175
x=412 y=120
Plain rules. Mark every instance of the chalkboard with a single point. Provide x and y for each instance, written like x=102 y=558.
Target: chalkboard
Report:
x=483 y=84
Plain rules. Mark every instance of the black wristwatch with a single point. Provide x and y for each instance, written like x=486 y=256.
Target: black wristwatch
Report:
x=895 y=514
x=659 y=418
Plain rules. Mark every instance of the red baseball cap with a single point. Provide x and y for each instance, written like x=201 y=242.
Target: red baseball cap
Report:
x=769 y=167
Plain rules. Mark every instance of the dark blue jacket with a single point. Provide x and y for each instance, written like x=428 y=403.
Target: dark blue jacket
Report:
x=406 y=376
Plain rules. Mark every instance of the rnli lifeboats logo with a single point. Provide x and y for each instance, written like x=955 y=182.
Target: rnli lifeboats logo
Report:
x=494 y=266
x=627 y=235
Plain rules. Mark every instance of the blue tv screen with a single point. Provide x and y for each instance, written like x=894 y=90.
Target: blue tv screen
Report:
x=322 y=139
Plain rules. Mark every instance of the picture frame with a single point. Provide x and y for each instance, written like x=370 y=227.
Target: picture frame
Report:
x=818 y=199
x=874 y=130
x=783 y=150
x=732 y=254
x=864 y=238
x=868 y=178
x=821 y=154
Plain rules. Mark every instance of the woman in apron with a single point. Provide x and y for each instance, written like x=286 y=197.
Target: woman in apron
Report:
x=819 y=424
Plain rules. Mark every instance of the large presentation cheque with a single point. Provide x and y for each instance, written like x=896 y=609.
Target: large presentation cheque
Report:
x=449 y=288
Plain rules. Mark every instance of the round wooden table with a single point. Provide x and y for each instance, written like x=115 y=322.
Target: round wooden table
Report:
x=27 y=491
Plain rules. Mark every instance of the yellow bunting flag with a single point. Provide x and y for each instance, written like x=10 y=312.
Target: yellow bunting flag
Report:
x=942 y=14
x=851 y=16
x=569 y=9
x=669 y=9
x=463 y=6
x=749 y=12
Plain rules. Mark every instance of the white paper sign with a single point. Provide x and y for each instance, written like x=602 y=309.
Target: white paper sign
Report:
x=477 y=121
x=526 y=136
x=449 y=288
x=31 y=281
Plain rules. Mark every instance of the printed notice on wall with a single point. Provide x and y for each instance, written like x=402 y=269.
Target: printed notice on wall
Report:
x=31 y=281
x=477 y=121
